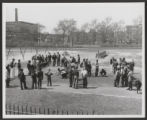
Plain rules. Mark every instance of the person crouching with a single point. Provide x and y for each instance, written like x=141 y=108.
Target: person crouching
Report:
x=103 y=73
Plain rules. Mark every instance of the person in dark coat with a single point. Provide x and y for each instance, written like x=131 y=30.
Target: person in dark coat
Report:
x=71 y=76
x=89 y=67
x=54 y=57
x=29 y=67
x=96 y=68
x=7 y=75
x=19 y=66
x=75 y=77
x=49 y=59
x=117 y=77
x=49 y=79
x=78 y=59
x=34 y=79
x=58 y=59
x=115 y=64
x=103 y=72
x=40 y=78
x=22 y=79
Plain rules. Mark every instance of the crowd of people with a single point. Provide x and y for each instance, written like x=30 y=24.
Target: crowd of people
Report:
x=123 y=72
x=69 y=67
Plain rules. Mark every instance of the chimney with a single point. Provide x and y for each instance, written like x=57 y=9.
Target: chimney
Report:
x=16 y=15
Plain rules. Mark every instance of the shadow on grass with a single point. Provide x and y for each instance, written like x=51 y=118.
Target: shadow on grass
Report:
x=55 y=85
x=91 y=87
x=81 y=87
x=13 y=86
x=133 y=89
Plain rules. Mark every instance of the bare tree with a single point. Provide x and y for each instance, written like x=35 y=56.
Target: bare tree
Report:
x=66 y=27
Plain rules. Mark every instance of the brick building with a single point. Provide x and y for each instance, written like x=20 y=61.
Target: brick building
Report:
x=19 y=33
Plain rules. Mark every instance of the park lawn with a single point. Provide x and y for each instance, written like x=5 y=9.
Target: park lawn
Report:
x=72 y=102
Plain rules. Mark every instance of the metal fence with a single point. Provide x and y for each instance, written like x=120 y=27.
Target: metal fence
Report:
x=29 y=110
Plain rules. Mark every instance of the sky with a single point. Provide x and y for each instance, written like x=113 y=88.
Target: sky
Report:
x=49 y=14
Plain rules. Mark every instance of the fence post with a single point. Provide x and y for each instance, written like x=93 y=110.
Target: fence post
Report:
x=93 y=112
x=18 y=108
x=48 y=111
x=57 y=111
x=31 y=110
x=44 y=110
x=35 y=110
x=10 y=109
x=26 y=109
x=22 y=109
x=14 y=109
x=67 y=112
x=6 y=109
x=39 y=111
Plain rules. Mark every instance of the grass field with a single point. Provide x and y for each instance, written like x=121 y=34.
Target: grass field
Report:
x=100 y=96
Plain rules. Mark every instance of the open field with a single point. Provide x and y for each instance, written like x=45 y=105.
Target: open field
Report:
x=100 y=96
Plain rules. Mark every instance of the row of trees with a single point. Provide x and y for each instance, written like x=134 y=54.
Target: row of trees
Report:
x=105 y=31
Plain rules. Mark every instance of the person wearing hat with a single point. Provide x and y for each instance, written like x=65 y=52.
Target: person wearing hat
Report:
x=96 y=68
x=7 y=75
x=84 y=77
x=117 y=78
x=22 y=79
x=130 y=79
x=34 y=79
x=115 y=64
x=49 y=74
x=12 y=68
x=71 y=76
x=75 y=77
x=40 y=78
x=122 y=77
x=19 y=66
x=29 y=66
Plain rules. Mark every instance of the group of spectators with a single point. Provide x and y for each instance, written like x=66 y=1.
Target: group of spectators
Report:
x=72 y=68
x=68 y=67
x=123 y=71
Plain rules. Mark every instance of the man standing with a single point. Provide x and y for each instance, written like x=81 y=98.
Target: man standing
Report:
x=7 y=75
x=19 y=66
x=54 y=57
x=40 y=78
x=34 y=79
x=84 y=77
x=89 y=68
x=78 y=59
x=12 y=69
x=71 y=76
x=29 y=67
x=49 y=80
x=22 y=79
x=75 y=77
x=117 y=78
x=58 y=59
x=96 y=68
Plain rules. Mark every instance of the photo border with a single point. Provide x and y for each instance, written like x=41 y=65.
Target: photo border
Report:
x=68 y=116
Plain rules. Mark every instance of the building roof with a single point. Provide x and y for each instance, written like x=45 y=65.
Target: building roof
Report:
x=13 y=22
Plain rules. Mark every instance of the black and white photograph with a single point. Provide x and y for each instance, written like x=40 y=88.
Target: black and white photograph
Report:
x=73 y=60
